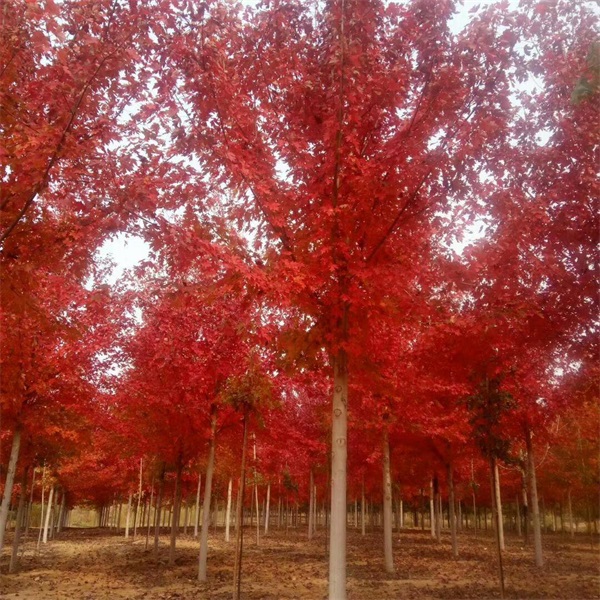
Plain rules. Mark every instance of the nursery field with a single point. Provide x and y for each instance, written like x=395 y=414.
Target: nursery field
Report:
x=94 y=564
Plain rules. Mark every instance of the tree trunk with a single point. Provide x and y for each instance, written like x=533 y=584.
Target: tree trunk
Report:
x=61 y=512
x=451 y=511
x=39 y=540
x=47 y=521
x=257 y=510
x=267 y=508
x=30 y=505
x=431 y=508
x=498 y=499
x=518 y=517
x=401 y=514
x=535 y=509
x=494 y=472
x=203 y=555
x=128 y=515
x=310 y=504
x=149 y=508
x=197 y=513
x=228 y=511
x=387 y=505
x=339 y=459
x=176 y=513
x=9 y=482
x=525 y=508
x=570 y=509
x=12 y=567
x=239 y=543
x=139 y=500
x=157 y=512
x=362 y=508
x=436 y=508
x=186 y=516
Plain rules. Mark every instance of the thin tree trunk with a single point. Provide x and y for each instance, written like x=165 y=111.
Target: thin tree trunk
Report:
x=186 y=516
x=39 y=540
x=128 y=515
x=239 y=543
x=267 y=508
x=387 y=505
x=176 y=513
x=202 y=556
x=537 y=533
x=157 y=512
x=257 y=510
x=9 y=482
x=498 y=498
x=518 y=517
x=362 y=509
x=197 y=513
x=310 y=504
x=570 y=509
x=30 y=506
x=47 y=521
x=149 y=508
x=451 y=511
x=494 y=471
x=432 y=508
x=61 y=512
x=228 y=511
x=339 y=459
x=139 y=500
x=525 y=508
x=437 y=509
x=12 y=567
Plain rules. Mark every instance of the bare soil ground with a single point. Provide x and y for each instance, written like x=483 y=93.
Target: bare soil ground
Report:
x=94 y=564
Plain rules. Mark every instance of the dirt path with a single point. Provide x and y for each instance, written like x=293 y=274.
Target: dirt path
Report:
x=90 y=564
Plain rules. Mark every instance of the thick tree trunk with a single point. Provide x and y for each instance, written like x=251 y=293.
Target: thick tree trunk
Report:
x=267 y=508
x=176 y=513
x=535 y=509
x=228 y=511
x=202 y=557
x=8 y=483
x=387 y=505
x=339 y=459
x=47 y=521
x=451 y=511
x=239 y=542
x=19 y=522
